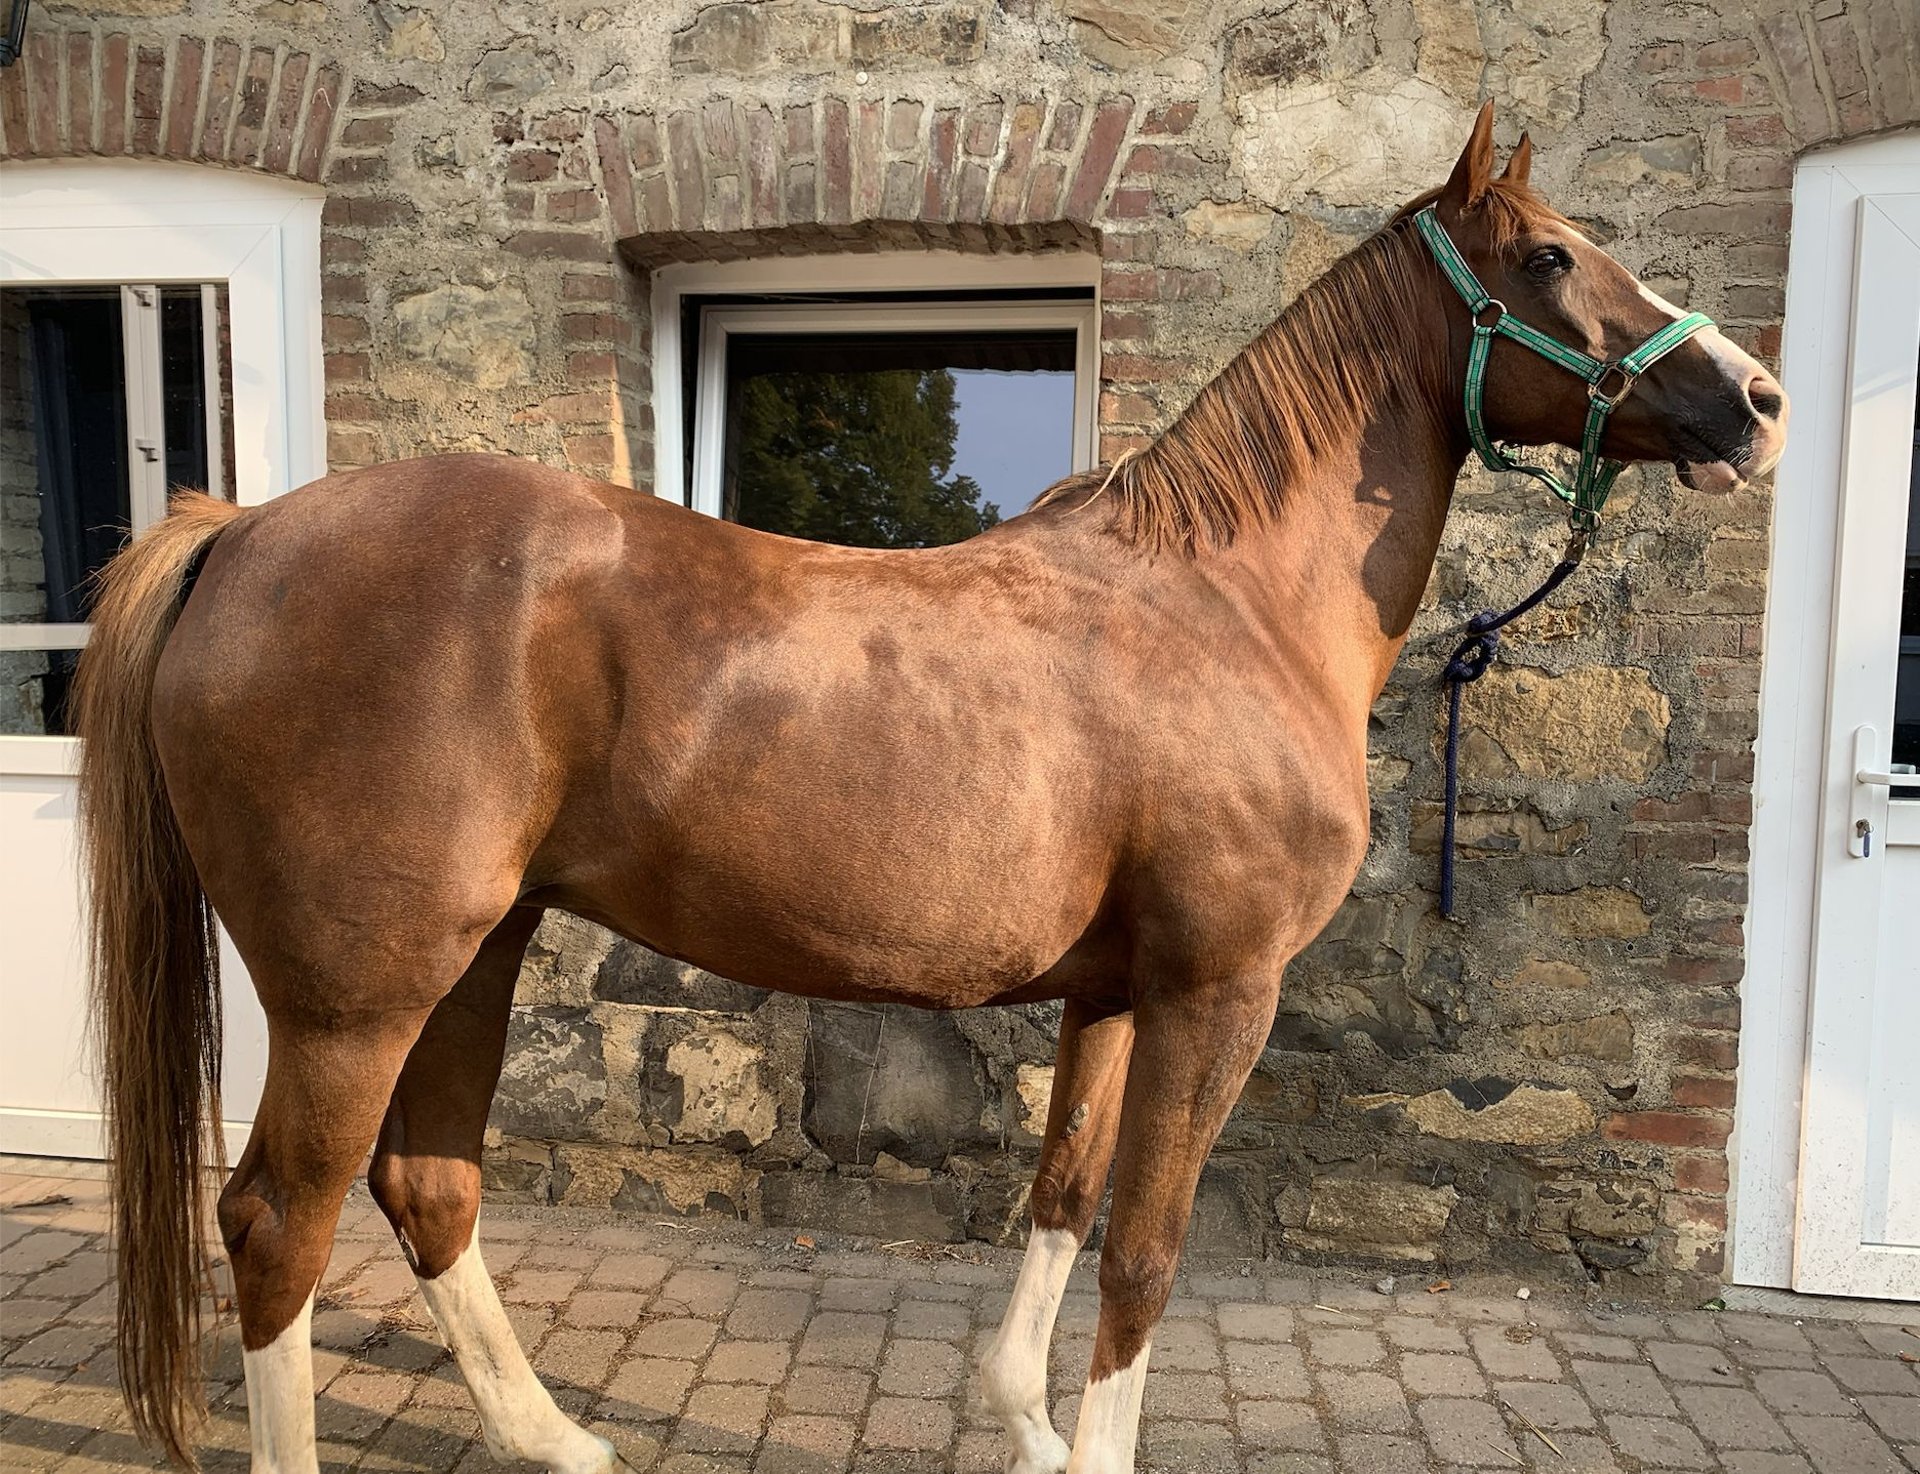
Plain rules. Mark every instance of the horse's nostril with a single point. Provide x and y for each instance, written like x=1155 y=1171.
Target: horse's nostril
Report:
x=1766 y=398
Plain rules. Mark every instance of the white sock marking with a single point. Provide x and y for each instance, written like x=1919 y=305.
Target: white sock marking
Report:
x=517 y=1415
x=280 y=1400
x=1014 y=1371
x=1110 y=1421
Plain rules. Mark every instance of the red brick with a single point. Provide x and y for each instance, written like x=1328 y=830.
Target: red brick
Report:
x=42 y=81
x=942 y=150
x=343 y=289
x=256 y=100
x=348 y=448
x=1702 y=1174
x=1127 y=409
x=350 y=406
x=530 y=165
x=1735 y=53
x=763 y=168
x=591 y=366
x=587 y=286
x=283 y=129
x=970 y=191
x=1043 y=193
x=368 y=133
x=557 y=245
x=355 y=169
x=149 y=99
x=689 y=180
x=1066 y=127
x=870 y=123
x=572 y=206
x=1141 y=368
x=396 y=95
x=1174 y=118
x=1112 y=447
x=982 y=136
x=1704 y=1092
x=1667 y=1128
x=1124 y=324
x=1130 y=202
x=1129 y=284
x=340 y=331
x=348 y=368
x=589 y=451
x=1104 y=137
x=654 y=205
x=183 y=101
x=80 y=90
x=1761 y=130
x=113 y=95
x=1708 y=1051
x=645 y=134
x=316 y=135
x=837 y=161
x=1010 y=187
x=1687 y=807
x=721 y=130
x=903 y=125
x=1663 y=57
x=615 y=177
x=1687 y=1212
x=798 y=120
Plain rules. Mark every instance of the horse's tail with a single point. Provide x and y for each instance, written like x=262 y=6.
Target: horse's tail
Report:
x=154 y=963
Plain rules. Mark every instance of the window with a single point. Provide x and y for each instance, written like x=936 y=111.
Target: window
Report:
x=1906 y=697
x=109 y=397
x=906 y=415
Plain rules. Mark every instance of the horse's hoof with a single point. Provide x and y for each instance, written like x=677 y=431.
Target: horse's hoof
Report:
x=1046 y=1453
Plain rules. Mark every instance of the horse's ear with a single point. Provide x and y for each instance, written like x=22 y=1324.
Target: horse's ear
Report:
x=1474 y=172
x=1519 y=162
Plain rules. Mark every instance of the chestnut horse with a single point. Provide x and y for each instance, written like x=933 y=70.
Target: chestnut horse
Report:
x=1111 y=751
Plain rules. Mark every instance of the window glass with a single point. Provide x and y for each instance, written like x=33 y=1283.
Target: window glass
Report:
x=894 y=440
x=75 y=448
x=1906 y=699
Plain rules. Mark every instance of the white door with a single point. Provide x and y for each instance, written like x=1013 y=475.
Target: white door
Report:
x=158 y=323
x=1858 y=1231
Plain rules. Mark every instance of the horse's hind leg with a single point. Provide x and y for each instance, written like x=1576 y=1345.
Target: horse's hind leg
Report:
x=1192 y=1052
x=426 y=1178
x=1083 y=1121
x=327 y=1083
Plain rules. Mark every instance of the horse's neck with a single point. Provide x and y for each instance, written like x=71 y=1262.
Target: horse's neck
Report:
x=1339 y=572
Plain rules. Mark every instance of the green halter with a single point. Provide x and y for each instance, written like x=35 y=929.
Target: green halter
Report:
x=1607 y=383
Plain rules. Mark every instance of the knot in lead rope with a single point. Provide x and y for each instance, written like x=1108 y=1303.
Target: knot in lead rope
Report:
x=1472 y=659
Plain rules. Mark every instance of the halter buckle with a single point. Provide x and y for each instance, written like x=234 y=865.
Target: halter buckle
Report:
x=1496 y=307
x=1627 y=378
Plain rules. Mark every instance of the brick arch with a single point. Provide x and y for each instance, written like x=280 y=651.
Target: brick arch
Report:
x=1842 y=70
x=720 y=180
x=85 y=91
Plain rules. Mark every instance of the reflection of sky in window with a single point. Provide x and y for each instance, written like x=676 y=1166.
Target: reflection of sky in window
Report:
x=1016 y=432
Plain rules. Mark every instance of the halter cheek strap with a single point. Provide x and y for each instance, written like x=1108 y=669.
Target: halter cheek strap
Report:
x=1607 y=383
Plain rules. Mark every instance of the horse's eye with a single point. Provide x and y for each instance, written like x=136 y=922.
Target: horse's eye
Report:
x=1549 y=262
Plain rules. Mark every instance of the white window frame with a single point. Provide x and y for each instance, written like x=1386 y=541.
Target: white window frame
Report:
x=842 y=275
x=141 y=223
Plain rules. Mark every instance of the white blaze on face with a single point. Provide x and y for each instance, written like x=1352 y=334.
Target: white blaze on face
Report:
x=517 y=1415
x=1740 y=369
x=280 y=1400
x=1014 y=1372
x=1110 y=1421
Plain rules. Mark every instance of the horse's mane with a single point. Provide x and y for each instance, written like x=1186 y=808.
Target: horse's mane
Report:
x=1303 y=387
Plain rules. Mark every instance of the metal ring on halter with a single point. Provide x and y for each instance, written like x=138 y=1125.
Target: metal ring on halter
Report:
x=1499 y=311
x=1628 y=378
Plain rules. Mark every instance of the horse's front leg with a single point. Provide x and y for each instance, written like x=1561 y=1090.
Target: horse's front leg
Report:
x=1193 y=1048
x=1083 y=1122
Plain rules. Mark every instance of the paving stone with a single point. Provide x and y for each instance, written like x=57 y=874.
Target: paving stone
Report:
x=1764 y=1463
x=1843 y=1446
x=1624 y=1389
x=820 y=1389
x=929 y=1369
x=1548 y=1405
x=1896 y=1417
x=1464 y=1432
x=805 y=1444
x=926 y=1320
x=630 y=1272
x=611 y=1309
x=1176 y=1447
x=674 y=1337
x=1514 y=1352
x=647 y=1389
x=722 y=1419
x=1247 y=1322
x=1664 y=1443
x=768 y=1315
x=705 y=1293
x=1346 y=1348
x=1683 y=1361
x=908 y=1423
x=1378 y=1453
x=1366 y=1400
x=843 y=1338
x=1188 y=1396
x=1431 y=1374
x=1731 y=1417
x=1597 y=1348
x=1274 y=1424
x=872 y=1295
x=1801 y=1392
x=1261 y=1369
x=1417 y=1333
x=762 y=1362
x=1186 y=1346
x=1876 y=1374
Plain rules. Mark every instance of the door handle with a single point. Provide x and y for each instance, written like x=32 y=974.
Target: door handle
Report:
x=1867 y=793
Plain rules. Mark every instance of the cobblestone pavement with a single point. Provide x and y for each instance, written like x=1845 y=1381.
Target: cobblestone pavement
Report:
x=701 y=1350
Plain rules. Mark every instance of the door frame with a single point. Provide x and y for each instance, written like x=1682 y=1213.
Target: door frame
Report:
x=112 y=221
x=1791 y=776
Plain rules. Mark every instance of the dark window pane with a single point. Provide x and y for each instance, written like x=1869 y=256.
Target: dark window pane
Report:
x=183 y=381
x=895 y=439
x=1906 y=695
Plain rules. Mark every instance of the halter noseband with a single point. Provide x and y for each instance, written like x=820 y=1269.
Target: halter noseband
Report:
x=1607 y=383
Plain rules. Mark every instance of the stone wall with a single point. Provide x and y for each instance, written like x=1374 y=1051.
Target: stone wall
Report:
x=1546 y=1086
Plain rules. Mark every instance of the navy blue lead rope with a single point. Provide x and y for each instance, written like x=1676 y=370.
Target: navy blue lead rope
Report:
x=1471 y=660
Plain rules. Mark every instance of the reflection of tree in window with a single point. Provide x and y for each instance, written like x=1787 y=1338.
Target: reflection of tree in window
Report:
x=859 y=458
